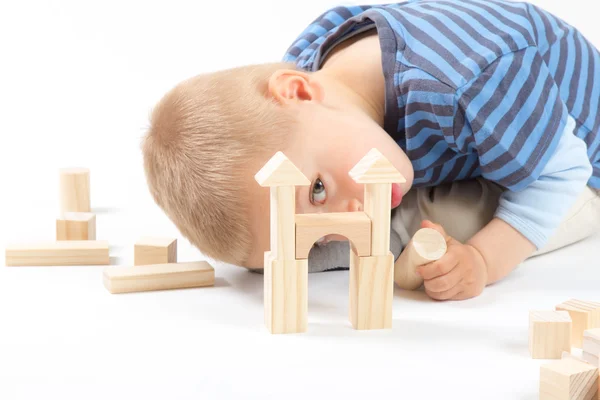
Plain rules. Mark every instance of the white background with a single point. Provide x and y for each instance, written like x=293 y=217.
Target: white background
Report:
x=77 y=82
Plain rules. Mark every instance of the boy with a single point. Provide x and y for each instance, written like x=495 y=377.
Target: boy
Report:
x=481 y=105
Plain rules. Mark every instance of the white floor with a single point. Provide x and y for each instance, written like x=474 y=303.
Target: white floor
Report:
x=64 y=336
x=78 y=80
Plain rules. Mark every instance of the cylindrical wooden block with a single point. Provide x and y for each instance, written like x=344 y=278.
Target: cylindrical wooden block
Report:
x=76 y=226
x=426 y=245
x=75 y=190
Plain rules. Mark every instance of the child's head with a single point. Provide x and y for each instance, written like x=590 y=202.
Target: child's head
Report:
x=212 y=133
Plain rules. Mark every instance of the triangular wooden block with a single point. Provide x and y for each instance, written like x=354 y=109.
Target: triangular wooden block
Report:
x=375 y=168
x=280 y=171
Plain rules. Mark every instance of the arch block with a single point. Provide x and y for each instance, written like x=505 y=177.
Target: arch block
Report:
x=356 y=226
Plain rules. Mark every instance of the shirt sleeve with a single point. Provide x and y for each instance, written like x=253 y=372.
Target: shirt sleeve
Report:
x=514 y=118
x=525 y=141
x=538 y=210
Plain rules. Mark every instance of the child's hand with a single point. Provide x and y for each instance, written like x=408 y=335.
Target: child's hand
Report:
x=460 y=274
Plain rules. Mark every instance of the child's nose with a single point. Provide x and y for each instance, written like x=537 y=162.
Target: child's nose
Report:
x=354 y=205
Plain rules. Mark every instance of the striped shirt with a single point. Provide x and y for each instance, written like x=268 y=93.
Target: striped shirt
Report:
x=473 y=87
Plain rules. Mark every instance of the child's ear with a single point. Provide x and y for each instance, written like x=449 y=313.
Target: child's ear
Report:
x=289 y=86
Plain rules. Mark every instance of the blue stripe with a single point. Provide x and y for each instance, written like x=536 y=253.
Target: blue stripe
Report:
x=334 y=18
x=475 y=24
x=443 y=41
x=435 y=99
x=566 y=82
x=424 y=51
x=468 y=39
x=583 y=81
x=595 y=100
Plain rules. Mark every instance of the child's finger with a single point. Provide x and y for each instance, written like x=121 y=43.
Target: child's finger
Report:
x=444 y=282
x=437 y=268
x=445 y=295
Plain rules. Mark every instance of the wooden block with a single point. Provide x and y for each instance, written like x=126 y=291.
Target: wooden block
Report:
x=76 y=226
x=591 y=341
x=282 y=176
x=153 y=250
x=283 y=232
x=566 y=354
x=568 y=379
x=285 y=295
x=378 y=174
x=549 y=334
x=591 y=359
x=371 y=291
x=159 y=277
x=584 y=314
x=377 y=205
x=64 y=252
x=74 y=190
x=591 y=346
x=280 y=171
x=426 y=245
x=356 y=226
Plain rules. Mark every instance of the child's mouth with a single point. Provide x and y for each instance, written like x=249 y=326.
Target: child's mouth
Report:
x=396 y=195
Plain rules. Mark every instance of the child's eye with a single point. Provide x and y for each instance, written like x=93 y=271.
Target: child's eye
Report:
x=318 y=192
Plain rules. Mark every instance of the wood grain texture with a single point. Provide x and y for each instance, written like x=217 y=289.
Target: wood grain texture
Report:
x=64 y=252
x=283 y=232
x=285 y=295
x=426 y=245
x=356 y=226
x=76 y=226
x=585 y=315
x=568 y=379
x=377 y=205
x=158 y=277
x=371 y=291
x=375 y=168
x=74 y=189
x=591 y=345
x=549 y=334
x=280 y=171
x=155 y=250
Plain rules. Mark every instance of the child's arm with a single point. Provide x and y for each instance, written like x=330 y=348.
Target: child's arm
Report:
x=523 y=222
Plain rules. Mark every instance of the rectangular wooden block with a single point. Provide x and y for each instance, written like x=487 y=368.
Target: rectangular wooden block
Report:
x=356 y=226
x=371 y=291
x=75 y=190
x=591 y=359
x=591 y=346
x=76 y=226
x=584 y=314
x=568 y=379
x=549 y=334
x=64 y=252
x=154 y=250
x=159 y=277
x=591 y=341
x=286 y=295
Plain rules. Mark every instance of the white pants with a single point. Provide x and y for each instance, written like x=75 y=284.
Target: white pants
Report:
x=465 y=207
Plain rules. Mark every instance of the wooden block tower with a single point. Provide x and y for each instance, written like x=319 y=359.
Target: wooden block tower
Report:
x=372 y=277
x=371 y=262
x=285 y=287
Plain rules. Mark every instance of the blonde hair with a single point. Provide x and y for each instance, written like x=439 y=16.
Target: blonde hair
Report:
x=203 y=136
